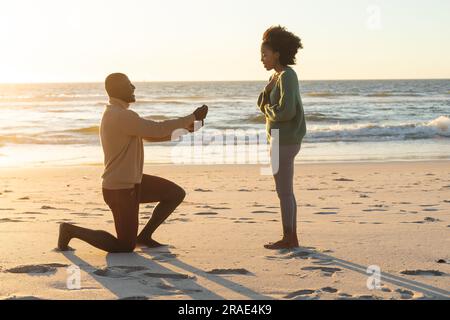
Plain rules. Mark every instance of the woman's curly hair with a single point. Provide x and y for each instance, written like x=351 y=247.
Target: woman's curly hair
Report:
x=286 y=43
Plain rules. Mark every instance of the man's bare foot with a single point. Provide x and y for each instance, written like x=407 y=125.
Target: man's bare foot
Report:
x=282 y=244
x=150 y=243
x=64 y=237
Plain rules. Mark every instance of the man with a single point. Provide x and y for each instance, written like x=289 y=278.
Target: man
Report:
x=124 y=185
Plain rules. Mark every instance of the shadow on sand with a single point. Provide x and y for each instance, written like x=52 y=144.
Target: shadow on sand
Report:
x=138 y=275
x=135 y=276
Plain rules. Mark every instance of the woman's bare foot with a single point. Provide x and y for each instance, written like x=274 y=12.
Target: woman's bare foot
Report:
x=64 y=237
x=150 y=243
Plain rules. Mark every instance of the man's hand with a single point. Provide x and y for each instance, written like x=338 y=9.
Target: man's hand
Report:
x=200 y=113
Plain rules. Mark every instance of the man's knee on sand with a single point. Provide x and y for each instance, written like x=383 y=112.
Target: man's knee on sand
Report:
x=180 y=194
x=176 y=194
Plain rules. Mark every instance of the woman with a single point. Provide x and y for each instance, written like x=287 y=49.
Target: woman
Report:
x=285 y=123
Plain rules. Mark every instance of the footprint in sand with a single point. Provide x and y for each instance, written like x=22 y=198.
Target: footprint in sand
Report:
x=202 y=190
x=263 y=211
x=244 y=221
x=343 y=180
x=416 y=222
x=405 y=294
x=59 y=250
x=326 y=212
x=48 y=208
x=165 y=256
x=118 y=271
x=323 y=262
x=213 y=208
x=327 y=271
x=375 y=210
x=293 y=255
x=240 y=271
x=179 y=219
x=37 y=269
x=33 y=213
x=343 y=295
x=430 y=219
x=4 y=220
x=257 y=205
x=175 y=276
x=188 y=291
x=430 y=210
x=174 y=290
x=52 y=208
x=434 y=273
x=367 y=297
x=85 y=214
x=300 y=294
x=329 y=289
x=379 y=206
x=24 y=198
x=134 y=298
x=206 y=213
x=23 y=298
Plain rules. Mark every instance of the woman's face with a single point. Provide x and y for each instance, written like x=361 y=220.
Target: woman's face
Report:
x=269 y=58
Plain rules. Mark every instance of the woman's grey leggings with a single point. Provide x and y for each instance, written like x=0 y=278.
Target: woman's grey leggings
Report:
x=284 y=180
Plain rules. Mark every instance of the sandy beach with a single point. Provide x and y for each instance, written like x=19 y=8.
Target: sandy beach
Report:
x=395 y=215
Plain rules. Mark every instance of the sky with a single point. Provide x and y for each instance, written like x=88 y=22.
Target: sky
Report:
x=200 y=40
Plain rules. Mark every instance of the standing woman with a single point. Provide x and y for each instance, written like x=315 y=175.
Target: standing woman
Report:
x=282 y=106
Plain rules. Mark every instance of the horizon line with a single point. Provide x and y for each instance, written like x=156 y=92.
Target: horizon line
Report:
x=200 y=81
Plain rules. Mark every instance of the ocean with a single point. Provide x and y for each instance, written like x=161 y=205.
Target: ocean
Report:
x=357 y=120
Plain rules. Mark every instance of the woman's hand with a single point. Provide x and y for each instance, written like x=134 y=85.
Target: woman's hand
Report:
x=272 y=83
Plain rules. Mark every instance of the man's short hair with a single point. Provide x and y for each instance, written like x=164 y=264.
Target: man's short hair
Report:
x=113 y=81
